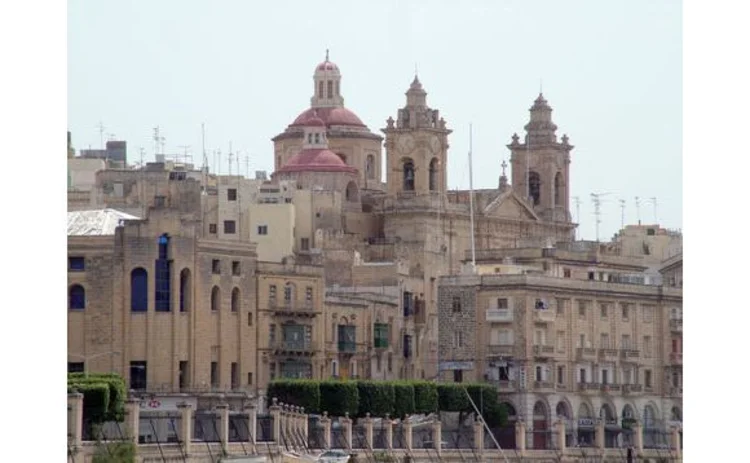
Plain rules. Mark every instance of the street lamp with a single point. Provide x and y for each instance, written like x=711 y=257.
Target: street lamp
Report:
x=86 y=358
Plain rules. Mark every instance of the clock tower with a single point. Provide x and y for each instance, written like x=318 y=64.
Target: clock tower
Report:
x=416 y=147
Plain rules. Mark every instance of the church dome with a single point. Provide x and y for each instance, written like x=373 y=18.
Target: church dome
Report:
x=330 y=116
x=316 y=160
x=327 y=66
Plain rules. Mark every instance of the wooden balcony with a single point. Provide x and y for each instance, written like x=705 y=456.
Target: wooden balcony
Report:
x=675 y=325
x=500 y=315
x=500 y=349
x=630 y=355
x=586 y=354
x=675 y=358
x=608 y=355
x=544 y=316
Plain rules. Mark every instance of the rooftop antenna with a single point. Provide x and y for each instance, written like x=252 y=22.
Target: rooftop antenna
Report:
x=185 y=149
x=471 y=205
x=656 y=216
x=159 y=140
x=247 y=166
x=596 y=198
x=577 y=200
x=638 y=209
x=101 y=133
x=229 y=158
x=622 y=212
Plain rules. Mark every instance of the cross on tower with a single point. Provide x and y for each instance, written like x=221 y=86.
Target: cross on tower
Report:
x=504 y=165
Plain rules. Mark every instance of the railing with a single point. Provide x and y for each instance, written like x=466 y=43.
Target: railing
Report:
x=675 y=358
x=291 y=308
x=630 y=354
x=504 y=385
x=611 y=387
x=675 y=391
x=608 y=354
x=675 y=325
x=500 y=349
x=544 y=385
x=588 y=387
x=499 y=315
x=544 y=315
x=543 y=350
x=632 y=388
x=586 y=353
x=304 y=347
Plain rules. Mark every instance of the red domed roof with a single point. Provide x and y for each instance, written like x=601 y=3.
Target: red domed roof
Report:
x=330 y=116
x=327 y=66
x=316 y=160
x=314 y=121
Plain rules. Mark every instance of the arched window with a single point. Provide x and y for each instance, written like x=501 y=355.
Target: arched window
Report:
x=351 y=193
x=186 y=288
x=562 y=410
x=649 y=417
x=288 y=293
x=370 y=166
x=535 y=185
x=163 y=277
x=77 y=298
x=317 y=138
x=558 y=189
x=139 y=290
x=330 y=89
x=320 y=89
x=338 y=92
x=215 y=299
x=408 y=175
x=433 y=174
x=235 y=300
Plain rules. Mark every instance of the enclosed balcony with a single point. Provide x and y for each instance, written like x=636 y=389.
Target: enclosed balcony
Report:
x=347 y=339
x=542 y=350
x=304 y=309
x=608 y=355
x=500 y=349
x=381 y=335
x=500 y=315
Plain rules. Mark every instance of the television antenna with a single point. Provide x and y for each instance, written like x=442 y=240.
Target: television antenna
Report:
x=638 y=209
x=185 y=155
x=159 y=141
x=101 y=133
x=622 y=214
x=229 y=156
x=577 y=201
x=652 y=200
x=596 y=199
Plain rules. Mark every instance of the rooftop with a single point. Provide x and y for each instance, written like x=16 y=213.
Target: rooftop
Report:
x=96 y=222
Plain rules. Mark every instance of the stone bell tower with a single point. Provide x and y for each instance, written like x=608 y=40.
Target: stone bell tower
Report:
x=541 y=165
x=416 y=147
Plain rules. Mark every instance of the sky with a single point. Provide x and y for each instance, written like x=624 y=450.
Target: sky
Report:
x=611 y=71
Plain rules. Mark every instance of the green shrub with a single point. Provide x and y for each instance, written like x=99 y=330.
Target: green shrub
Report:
x=452 y=398
x=114 y=452
x=339 y=397
x=117 y=391
x=425 y=397
x=376 y=398
x=299 y=392
x=95 y=401
x=403 y=399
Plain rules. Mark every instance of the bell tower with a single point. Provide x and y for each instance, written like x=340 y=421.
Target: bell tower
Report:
x=541 y=165
x=327 y=83
x=416 y=146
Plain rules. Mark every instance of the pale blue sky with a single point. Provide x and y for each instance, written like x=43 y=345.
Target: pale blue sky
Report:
x=611 y=70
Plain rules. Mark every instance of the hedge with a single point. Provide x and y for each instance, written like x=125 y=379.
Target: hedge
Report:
x=94 y=410
x=339 y=398
x=375 y=398
x=95 y=401
x=425 y=397
x=299 y=392
x=404 y=399
x=452 y=398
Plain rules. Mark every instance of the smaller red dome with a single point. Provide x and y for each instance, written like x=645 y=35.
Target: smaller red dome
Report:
x=316 y=160
x=327 y=66
x=330 y=116
x=314 y=121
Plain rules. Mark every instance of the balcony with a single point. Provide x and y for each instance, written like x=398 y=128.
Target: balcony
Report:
x=608 y=355
x=586 y=354
x=500 y=315
x=611 y=388
x=504 y=385
x=632 y=389
x=675 y=392
x=544 y=386
x=544 y=316
x=675 y=325
x=292 y=309
x=675 y=359
x=500 y=349
x=541 y=350
x=299 y=348
x=630 y=355
x=589 y=388
x=347 y=347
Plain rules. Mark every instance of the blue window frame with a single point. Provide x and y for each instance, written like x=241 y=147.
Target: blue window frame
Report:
x=77 y=297
x=76 y=264
x=139 y=290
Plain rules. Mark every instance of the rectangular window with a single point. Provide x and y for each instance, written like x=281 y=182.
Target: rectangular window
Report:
x=287 y=294
x=236 y=268
x=604 y=341
x=272 y=292
x=648 y=314
x=305 y=244
x=163 y=291
x=502 y=303
x=626 y=342
x=647 y=346
x=538 y=375
x=159 y=201
x=381 y=335
x=216 y=266
x=561 y=341
x=262 y=229
x=591 y=275
x=675 y=379
x=330 y=89
x=582 y=375
x=603 y=309
x=605 y=376
x=249 y=379
x=229 y=227
x=138 y=375
x=212 y=228
x=458 y=376
x=75 y=367
x=183 y=374
x=582 y=340
x=627 y=376
x=647 y=378
x=215 y=375
x=625 y=312
x=232 y=194
x=309 y=294
x=458 y=339
x=560 y=375
x=249 y=319
x=566 y=273
x=235 y=372
x=582 y=309
x=561 y=307
x=76 y=264
x=456 y=304
x=272 y=334
x=390 y=363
